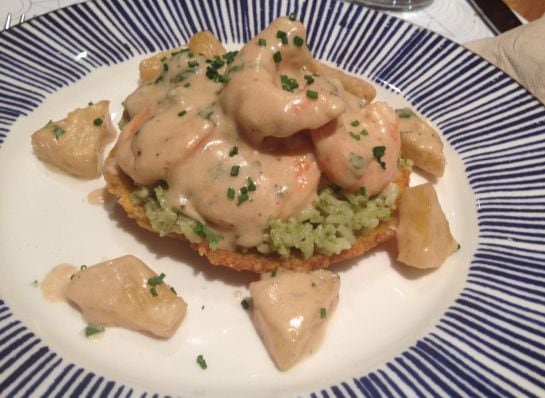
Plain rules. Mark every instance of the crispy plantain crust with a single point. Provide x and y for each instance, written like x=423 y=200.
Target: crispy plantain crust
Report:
x=121 y=186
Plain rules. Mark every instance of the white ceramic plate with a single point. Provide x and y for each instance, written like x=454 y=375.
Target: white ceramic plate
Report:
x=473 y=327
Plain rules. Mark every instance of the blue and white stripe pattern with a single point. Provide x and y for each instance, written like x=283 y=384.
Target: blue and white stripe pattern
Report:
x=491 y=340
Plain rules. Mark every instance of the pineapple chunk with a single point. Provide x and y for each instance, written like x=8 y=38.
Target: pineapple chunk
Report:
x=151 y=67
x=126 y=292
x=423 y=237
x=206 y=43
x=75 y=144
x=290 y=310
x=420 y=143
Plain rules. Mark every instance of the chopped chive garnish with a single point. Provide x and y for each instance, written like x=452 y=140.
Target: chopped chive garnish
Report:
x=244 y=190
x=313 y=284
x=182 y=113
x=309 y=79
x=153 y=292
x=282 y=36
x=83 y=267
x=262 y=42
x=404 y=113
x=173 y=290
x=91 y=330
x=193 y=64
x=362 y=191
x=288 y=83
x=156 y=280
x=233 y=151
x=277 y=57
x=159 y=79
x=97 y=121
x=245 y=304
x=298 y=41
x=165 y=67
x=273 y=273
x=230 y=56
x=292 y=16
x=378 y=153
x=204 y=232
x=243 y=197
x=364 y=132
x=90 y=103
x=355 y=123
x=231 y=193
x=355 y=136
x=323 y=312
x=312 y=94
x=251 y=185
x=186 y=85
x=163 y=59
x=57 y=131
x=201 y=362
x=234 y=170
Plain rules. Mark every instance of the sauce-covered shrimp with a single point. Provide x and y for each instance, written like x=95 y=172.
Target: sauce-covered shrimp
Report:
x=360 y=148
x=268 y=94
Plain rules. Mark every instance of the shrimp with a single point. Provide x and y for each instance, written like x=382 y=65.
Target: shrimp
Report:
x=360 y=149
x=268 y=94
x=135 y=153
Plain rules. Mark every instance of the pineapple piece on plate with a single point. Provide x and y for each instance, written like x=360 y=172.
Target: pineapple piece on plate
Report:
x=76 y=143
x=126 y=292
x=290 y=310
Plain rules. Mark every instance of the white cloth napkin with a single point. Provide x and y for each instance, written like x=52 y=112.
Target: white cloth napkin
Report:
x=520 y=53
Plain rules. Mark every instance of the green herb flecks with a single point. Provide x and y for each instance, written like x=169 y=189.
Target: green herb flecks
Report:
x=98 y=121
x=206 y=233
x=233 y=151
x=283 y=36
x=58 y=132
x=404 y=113
x=91 y=330
x=153 y=292
x=251 y=185
x=234 y=170
x=201 y=362
x=277 y=57
x=261 y=42
x=156 y=280
x=298 y=41
x=288 y=83
x=309 y=79
x=378 y=153
x=231 y=193
x=354 y=136
x=312 y=94
x=230 y=56
x=212 y=71
x=323 y=312
x=182 y=113
x=245 y=304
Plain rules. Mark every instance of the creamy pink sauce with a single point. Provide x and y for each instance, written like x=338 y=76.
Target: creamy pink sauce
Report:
x=98 y=196
x=185 y=127
x=56 y=281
